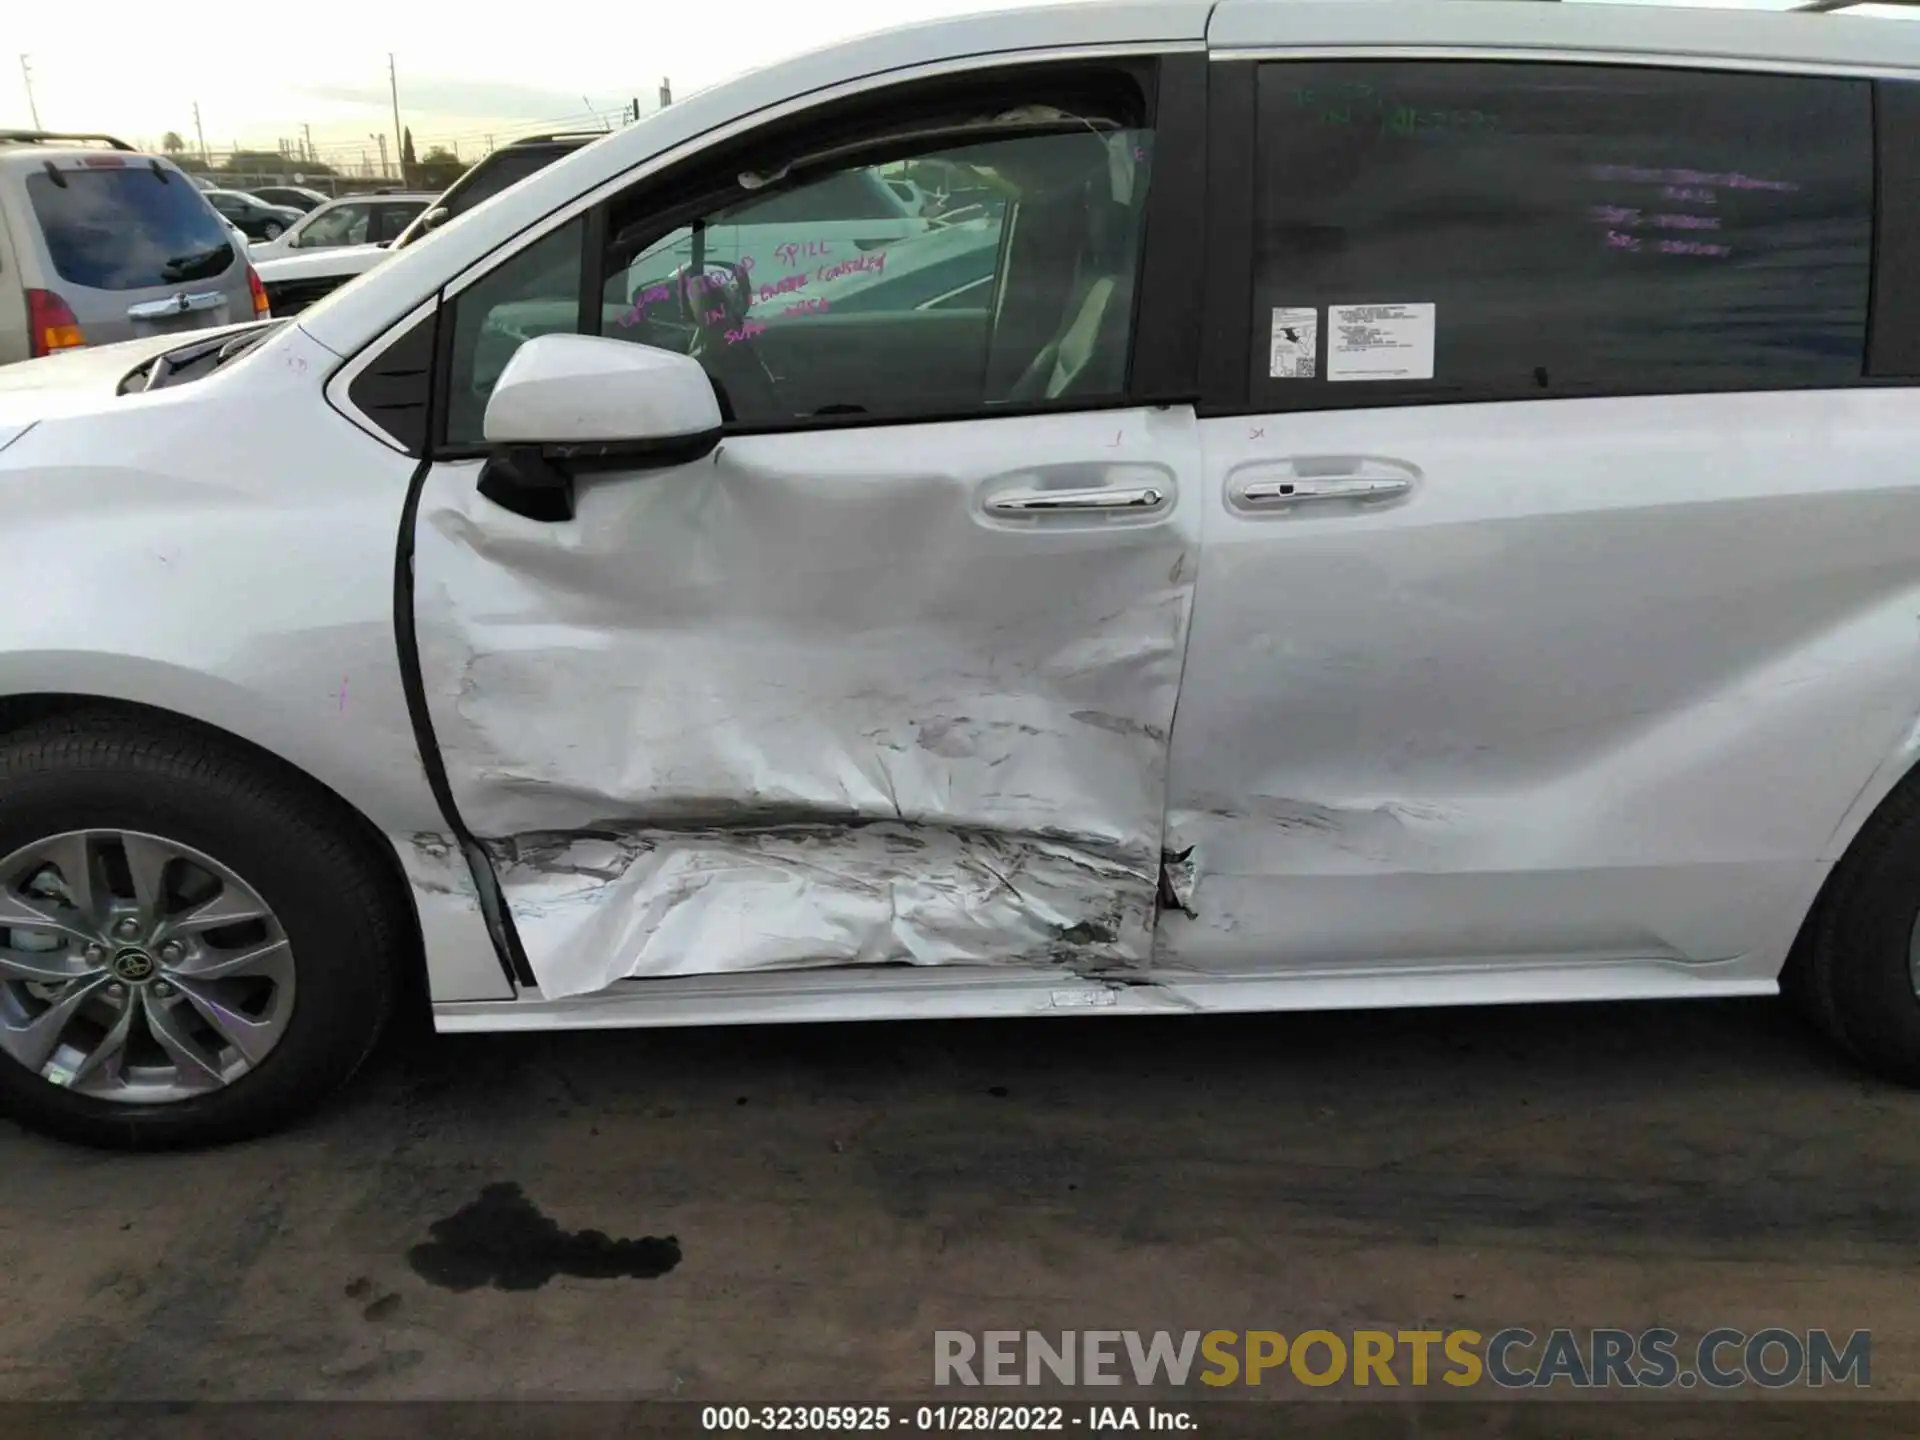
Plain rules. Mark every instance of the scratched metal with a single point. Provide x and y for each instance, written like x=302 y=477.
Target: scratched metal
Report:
x=678 y=717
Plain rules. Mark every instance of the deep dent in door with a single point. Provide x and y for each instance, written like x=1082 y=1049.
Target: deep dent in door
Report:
x=741 y=719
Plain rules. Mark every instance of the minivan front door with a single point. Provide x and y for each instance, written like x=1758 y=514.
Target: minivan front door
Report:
x=852 y=697
x=889 y=676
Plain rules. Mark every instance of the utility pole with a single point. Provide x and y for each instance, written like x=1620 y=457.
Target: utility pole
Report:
x=26 y=77
x=666 y=93
x=393 y=87
x=383 y=155
x=201 y=136
x=307 y=130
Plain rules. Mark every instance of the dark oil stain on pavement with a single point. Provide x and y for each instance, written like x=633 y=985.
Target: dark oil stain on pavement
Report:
x=504 y=1241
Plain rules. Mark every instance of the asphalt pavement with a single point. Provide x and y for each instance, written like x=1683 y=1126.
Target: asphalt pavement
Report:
x=783 y=1214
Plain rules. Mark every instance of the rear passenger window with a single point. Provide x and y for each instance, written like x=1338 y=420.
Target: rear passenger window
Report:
x=1484 y=231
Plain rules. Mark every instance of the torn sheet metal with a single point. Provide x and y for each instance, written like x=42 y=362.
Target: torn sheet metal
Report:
x=666 y=902
x=801 y=703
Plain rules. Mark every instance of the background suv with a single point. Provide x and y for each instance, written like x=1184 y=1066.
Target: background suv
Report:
x=99 y=243
x=295 y=281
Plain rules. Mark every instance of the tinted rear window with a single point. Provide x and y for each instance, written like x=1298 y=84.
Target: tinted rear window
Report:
x=1466 y=230
x=126 y=229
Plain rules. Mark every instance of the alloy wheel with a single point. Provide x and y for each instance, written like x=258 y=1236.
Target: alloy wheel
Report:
x=137 y=969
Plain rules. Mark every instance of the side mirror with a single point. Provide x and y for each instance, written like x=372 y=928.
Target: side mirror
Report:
x=435 y=217
x=565 y=404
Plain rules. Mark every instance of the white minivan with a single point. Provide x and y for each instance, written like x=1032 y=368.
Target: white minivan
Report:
x=1403 y=503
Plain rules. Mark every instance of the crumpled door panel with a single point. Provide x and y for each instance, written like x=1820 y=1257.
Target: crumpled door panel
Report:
x=801 y=704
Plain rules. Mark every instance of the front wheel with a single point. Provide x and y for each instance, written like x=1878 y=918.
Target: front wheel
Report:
x=194 y=945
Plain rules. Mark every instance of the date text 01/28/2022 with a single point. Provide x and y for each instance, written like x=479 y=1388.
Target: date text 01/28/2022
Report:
x=1011 y=1419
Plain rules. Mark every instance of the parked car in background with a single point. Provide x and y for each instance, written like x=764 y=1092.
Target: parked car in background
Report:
x=355 y=220
x=99 y=243
x=258 y=219
x=295 y=197
x=296 y=281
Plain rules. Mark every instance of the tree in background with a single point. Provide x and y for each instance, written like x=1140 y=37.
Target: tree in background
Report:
x=172 y=143
x=438 y=170
x=271 y=162
x=407 y=160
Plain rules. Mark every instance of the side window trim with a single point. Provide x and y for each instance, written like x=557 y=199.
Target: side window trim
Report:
x=1893 y=324
x=1163 y=361
x=1226 y=312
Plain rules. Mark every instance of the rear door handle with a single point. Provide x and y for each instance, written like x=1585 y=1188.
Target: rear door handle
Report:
x=1332 y=487
x=1284 y=485
x=1040 y=502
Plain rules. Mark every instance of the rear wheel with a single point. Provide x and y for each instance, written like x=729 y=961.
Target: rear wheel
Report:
x=1856 y=969
x=194 y=946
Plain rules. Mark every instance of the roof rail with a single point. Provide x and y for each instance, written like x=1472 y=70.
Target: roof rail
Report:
x=30 y=137
x=588 y=134
x=1835 y=7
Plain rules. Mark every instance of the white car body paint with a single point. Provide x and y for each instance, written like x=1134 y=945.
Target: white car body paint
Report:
x=1440 y=782
x=344 y=261
x=576 y=387
x=182 y=549
x=839 y=716
x=1385 y=777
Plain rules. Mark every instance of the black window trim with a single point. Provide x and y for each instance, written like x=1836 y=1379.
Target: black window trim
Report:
x=1226 y=364
x=1168 y=275
x=1893 y=309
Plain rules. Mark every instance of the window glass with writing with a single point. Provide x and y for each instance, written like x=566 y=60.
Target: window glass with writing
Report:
x=903 y=288
x=1474 y=230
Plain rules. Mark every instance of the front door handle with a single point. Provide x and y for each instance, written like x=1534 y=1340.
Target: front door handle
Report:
x=1039 y=502
x=1331 y=487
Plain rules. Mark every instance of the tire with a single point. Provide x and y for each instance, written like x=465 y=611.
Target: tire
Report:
x=1852 y=970
x=270 y=231
x=296 y=851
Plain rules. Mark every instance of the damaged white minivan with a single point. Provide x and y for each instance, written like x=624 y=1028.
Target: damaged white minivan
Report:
x=1355 y=505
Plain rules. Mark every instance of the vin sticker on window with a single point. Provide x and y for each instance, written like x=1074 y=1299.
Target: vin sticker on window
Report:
x=1296 y=344
x=1380 y=342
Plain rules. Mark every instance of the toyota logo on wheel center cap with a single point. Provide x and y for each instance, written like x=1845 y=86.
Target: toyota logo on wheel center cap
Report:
x=133 y=965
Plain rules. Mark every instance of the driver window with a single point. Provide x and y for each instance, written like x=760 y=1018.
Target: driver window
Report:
x=986 y=265
x=996 y=271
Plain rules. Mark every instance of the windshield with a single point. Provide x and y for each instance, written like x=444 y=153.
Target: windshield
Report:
x=127 y=229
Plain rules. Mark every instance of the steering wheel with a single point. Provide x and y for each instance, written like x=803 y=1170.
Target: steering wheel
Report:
x=717 y=302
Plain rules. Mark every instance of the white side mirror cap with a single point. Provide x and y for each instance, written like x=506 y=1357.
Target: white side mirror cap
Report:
x=574 y=389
